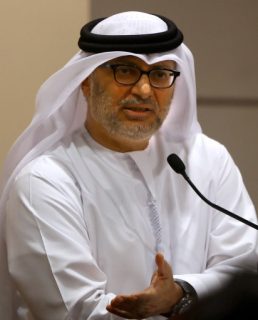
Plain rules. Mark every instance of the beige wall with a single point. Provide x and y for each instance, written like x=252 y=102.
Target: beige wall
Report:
x=222 y=35
x=37 y=37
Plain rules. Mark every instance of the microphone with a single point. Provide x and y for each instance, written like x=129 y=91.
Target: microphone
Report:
x=178 y=166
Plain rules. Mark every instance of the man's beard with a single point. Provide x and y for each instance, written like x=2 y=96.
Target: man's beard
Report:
x=103 y=112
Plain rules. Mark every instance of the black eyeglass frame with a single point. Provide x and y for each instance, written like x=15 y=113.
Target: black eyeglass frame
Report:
x=115 y=66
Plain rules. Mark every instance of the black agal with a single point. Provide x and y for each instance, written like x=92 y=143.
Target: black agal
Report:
x=143 y=43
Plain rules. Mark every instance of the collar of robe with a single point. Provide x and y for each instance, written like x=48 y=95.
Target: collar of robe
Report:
x=140 y=43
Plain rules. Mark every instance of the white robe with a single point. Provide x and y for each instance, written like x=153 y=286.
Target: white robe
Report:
x=79 y=227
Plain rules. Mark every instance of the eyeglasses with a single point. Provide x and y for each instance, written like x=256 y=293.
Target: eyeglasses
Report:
x=130 y=75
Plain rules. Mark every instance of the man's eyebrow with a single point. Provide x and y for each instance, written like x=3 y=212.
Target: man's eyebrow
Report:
x=126 y=63
x=134 y=64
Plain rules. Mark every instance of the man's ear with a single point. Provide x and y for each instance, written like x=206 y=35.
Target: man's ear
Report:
x=86 y=87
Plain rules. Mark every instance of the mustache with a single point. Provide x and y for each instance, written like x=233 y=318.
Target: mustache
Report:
x=127 y=102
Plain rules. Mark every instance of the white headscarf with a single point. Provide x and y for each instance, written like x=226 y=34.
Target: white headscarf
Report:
x=61 y=109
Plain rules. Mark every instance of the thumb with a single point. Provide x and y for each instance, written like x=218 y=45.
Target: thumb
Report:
x=163 y=268
x=160 y=262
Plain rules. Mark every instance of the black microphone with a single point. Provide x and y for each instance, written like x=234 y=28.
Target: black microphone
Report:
x=178 y=166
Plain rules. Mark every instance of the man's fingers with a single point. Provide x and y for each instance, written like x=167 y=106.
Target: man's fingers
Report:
x=127 y=302
x=118 y=300
x=130 y=307
x=119 y=312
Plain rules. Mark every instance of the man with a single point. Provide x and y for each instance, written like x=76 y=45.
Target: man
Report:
x=97 y=224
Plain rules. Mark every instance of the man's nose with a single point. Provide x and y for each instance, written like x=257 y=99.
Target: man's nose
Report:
x=143 y=87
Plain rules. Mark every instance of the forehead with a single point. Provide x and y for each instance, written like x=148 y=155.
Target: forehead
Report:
x=132 y=60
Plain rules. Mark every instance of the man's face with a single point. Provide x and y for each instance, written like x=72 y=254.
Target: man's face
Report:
x=119 y=114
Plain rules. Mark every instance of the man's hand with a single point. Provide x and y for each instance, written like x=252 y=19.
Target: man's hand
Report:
x=162 y=294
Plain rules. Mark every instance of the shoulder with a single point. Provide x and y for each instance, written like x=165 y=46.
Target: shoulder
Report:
x=198 y=149
x=48 y=171
x=203 y=141
x=204 y=157
x=209 y=150
x=211 y=160
x=49 y=166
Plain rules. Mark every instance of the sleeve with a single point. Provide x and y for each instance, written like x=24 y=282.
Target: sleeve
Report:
x=231 y=245
x=49 y=253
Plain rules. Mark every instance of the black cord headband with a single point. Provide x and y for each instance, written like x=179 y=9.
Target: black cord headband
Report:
x=143 y=43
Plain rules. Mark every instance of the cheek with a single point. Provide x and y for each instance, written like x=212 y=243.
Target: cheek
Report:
x=164 y=98
x=97 y=89
x=115 y=95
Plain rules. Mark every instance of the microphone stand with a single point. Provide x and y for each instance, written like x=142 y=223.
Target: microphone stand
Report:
x=215 y=206
x=178 y=166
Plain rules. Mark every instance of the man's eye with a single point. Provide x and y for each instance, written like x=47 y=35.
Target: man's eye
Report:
x=124 y=70
x=160 y=74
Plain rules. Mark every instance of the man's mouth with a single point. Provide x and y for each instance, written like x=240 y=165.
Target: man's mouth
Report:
x=138 y=108
x=139 y=112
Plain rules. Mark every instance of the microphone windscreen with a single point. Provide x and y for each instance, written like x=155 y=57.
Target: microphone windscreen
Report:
x=176 y=163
